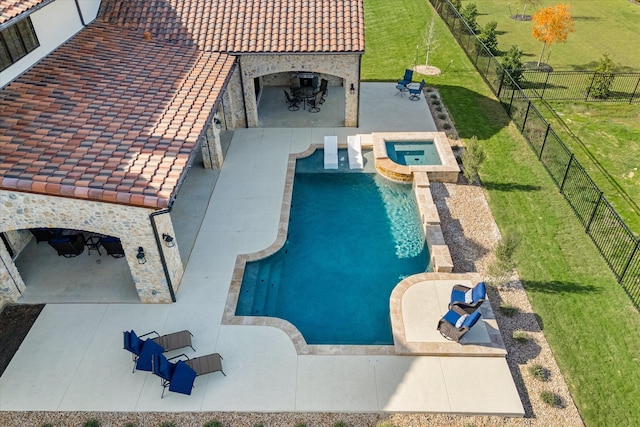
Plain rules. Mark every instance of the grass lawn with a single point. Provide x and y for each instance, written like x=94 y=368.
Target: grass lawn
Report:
x=587 y=318
x=601 y=26
x=605 y=139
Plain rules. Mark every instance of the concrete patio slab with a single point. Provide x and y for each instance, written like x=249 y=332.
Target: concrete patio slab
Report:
x=73 y=359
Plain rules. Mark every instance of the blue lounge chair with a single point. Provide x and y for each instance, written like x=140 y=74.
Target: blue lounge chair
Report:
x=143 y=350
x=456 y=322
x=180 y=376
x=408 y=75
x=468 y=299
x=415 y=92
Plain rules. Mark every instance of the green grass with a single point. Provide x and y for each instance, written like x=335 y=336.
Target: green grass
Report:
x=587 y=318
x=601 y=26
x=604 y=138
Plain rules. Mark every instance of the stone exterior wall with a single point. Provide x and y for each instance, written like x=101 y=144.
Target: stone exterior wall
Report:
x=18 y=239
x=346 y=67
x=131 y=224
x=233 y=104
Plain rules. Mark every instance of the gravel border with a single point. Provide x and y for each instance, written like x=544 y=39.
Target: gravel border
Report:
x=471 y=233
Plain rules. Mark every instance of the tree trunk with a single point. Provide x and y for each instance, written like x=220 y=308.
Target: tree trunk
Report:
x=541 y=53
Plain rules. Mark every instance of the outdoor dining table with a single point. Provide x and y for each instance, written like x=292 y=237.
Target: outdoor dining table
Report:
x=304 y=93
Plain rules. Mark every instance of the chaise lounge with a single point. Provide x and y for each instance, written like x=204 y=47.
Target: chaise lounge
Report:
x=143 y=350
x=468 y=299
x=180 y=376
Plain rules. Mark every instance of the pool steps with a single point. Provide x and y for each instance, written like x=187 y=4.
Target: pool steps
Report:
x=263 y=286
x=355 y=152
x=331 y=152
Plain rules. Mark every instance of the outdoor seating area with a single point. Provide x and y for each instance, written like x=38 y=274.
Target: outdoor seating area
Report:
x=70 y=243
x=406 y=85
x=304 y=89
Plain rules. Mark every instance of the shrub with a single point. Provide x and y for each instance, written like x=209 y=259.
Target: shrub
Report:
x=489 y=37
x=472 y=158
x=442 y=116
x=469 y=13
x=500 y=270
x=301 y=425
x=385 y=424
x=213 y=424
x=131 y=425
x=434 y=96
x=512 y=64
x=438 y=107
x=341 y=424
x=508 y=309
x=520 y=337
x=601 y=86
x=167 y=424
x=435 y=102
x=550 y=398
x=91 y=423
x=47 y=425
x=539 y=372
x=446 y=126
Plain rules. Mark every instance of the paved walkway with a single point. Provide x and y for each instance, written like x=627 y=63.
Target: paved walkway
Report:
x=72 y=359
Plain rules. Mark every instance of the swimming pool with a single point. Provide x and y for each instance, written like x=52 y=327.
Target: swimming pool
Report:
x=351 y=238
x=413 y=153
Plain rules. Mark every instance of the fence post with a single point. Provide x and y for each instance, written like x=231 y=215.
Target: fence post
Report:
x=593 y=214
x=501 y=82
x=586 y=98
x=544 y=141
x=626 y=267
x=634 y=90
x=511 y=103
x=544 y=88
x=526 y=115
x=566 y=173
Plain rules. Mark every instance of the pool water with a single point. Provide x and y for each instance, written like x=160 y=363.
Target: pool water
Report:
x=352 y=237
x=413 y=153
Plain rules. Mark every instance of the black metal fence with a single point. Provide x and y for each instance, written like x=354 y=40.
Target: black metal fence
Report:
x=617 y=244
x=579 y=86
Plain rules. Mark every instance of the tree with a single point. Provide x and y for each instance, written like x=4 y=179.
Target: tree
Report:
x=457 y=4
x=469 y=13
x=601 y=85
x=489 y=38
x=512 y=63
x=525 y=3
x=472 y=158
x=429 y=38
x=552 y=25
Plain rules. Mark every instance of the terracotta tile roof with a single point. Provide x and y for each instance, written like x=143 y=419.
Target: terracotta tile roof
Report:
x=108 y=116
x=9 y=9
x=245 y=26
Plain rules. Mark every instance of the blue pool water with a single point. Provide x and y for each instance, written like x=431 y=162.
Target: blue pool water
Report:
x=413 y=153
x=352 y=237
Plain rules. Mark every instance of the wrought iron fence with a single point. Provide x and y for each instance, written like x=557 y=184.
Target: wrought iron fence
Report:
x=580 y=86
x=617 y=244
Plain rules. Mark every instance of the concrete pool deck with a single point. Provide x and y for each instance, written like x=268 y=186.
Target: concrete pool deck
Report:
x=72 y=359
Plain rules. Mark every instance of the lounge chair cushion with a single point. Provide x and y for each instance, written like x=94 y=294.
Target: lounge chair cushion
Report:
x=468 y=296
x=451 y=317
x=135 y=343
x=182 y=379
x=149 y=348
x=461 y=321
x=479 y=292
x=162 y=367
x=471 y=319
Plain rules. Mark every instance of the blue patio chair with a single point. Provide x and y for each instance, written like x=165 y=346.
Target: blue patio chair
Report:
x=408 y=75
x=415 y=92
x=142 y=351
x=180 y=376
x=456 y=323
x=468 y=299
